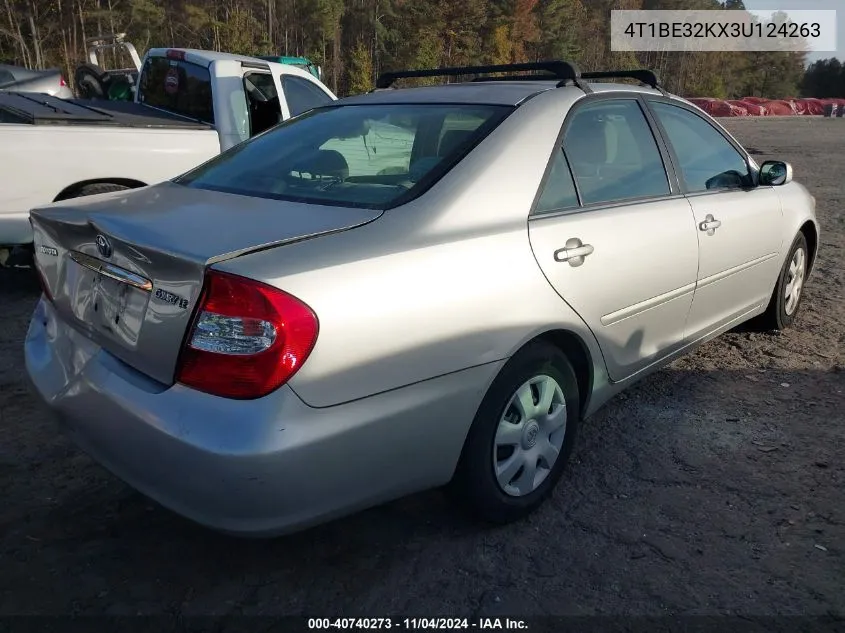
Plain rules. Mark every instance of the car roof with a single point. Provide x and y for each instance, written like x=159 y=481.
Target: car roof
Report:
x=510 y=93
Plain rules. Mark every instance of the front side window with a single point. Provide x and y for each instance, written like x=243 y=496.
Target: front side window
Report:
x=177 y=86
x=613 y=153
x=302 y=95
x=708 y=161
x=373 y=156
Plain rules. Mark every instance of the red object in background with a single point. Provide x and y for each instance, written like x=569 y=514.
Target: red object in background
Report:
x=799 y=106
x=814 y=107
x=757 y=106
x=719 y=108
x=755 y=109
x=780 y=108
x=741 y=107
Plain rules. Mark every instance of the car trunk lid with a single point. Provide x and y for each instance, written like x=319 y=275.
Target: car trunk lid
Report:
x=127 y=269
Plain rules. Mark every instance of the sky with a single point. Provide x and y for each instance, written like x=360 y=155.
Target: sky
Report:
x=837 y=5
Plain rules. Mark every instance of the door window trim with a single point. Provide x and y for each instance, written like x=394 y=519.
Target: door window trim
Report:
x=669 y=169
x=685 y=189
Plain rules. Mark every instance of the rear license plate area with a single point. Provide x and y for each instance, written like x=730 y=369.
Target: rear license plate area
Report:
x=110 y=307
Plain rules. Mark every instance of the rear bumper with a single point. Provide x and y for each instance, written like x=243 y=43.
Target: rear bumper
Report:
x=259 y=467
x=15 y=229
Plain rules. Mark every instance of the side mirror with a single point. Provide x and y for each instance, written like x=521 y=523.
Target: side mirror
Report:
x=775 y=173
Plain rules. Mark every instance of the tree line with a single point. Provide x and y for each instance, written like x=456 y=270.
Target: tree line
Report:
x=355 y=40
x=824 y=78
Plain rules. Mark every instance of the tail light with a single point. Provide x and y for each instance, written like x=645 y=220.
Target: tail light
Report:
x=62 y=81
x=247 y=338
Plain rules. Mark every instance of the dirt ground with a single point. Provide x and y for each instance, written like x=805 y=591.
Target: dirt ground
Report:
x=713 y=487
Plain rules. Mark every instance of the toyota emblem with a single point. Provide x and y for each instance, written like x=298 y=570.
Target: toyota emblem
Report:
x=104 y=246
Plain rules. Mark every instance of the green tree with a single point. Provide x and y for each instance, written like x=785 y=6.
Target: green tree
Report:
x=361 y=69
x=824 y=78
x=558 y=22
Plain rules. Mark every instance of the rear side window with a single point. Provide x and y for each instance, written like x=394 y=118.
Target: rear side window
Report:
x=302 y=95
x=177 y=86
x=373 y=156
x=613 y=153
x=707 y=159
x=6 y=77
x=559 y=190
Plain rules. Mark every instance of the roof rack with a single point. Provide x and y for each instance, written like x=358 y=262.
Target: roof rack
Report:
x=562 y=71
x=647 y=77
x=515 y=78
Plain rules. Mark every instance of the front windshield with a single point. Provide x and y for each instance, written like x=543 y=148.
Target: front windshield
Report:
x=373 y=156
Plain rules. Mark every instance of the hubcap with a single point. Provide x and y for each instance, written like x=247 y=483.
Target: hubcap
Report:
x=794 y=281
x=530 y=435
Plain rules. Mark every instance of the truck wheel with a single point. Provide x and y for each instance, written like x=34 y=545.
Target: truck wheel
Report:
x=97 y=188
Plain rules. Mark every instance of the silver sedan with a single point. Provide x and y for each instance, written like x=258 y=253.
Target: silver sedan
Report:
x=405 y=289
x=19 y=79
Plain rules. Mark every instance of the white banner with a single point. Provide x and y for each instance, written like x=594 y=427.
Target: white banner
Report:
x=797 y=30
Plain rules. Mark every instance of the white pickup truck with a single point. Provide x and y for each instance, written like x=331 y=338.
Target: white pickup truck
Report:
x=189 y=106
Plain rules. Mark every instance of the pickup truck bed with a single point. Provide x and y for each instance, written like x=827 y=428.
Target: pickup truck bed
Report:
x=40 y=109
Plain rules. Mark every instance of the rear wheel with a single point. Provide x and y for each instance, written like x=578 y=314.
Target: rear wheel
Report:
x=521 y=437
x=789 y=290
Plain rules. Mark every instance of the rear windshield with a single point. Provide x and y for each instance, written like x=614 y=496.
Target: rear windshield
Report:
x=372 y=156
x=177 y=86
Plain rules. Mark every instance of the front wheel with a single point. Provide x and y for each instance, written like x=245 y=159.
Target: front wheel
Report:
x=521 y=437
x=789 y=290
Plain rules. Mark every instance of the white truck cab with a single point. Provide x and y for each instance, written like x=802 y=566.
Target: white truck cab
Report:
x=189 y=106
x=240 y=96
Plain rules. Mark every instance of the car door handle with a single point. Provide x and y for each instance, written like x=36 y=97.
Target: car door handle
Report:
x=709 y=225
x=574 y=252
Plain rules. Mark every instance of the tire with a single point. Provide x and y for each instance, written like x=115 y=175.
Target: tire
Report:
x=97 y=188
x=782 y=310
x=476 y=485
x=91 y=82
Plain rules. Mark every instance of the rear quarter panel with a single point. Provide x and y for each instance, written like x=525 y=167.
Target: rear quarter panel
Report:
x=443 y=283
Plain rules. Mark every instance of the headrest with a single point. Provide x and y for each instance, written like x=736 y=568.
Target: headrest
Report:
x=327 y=162
x=452 y=140
x=586 y=140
